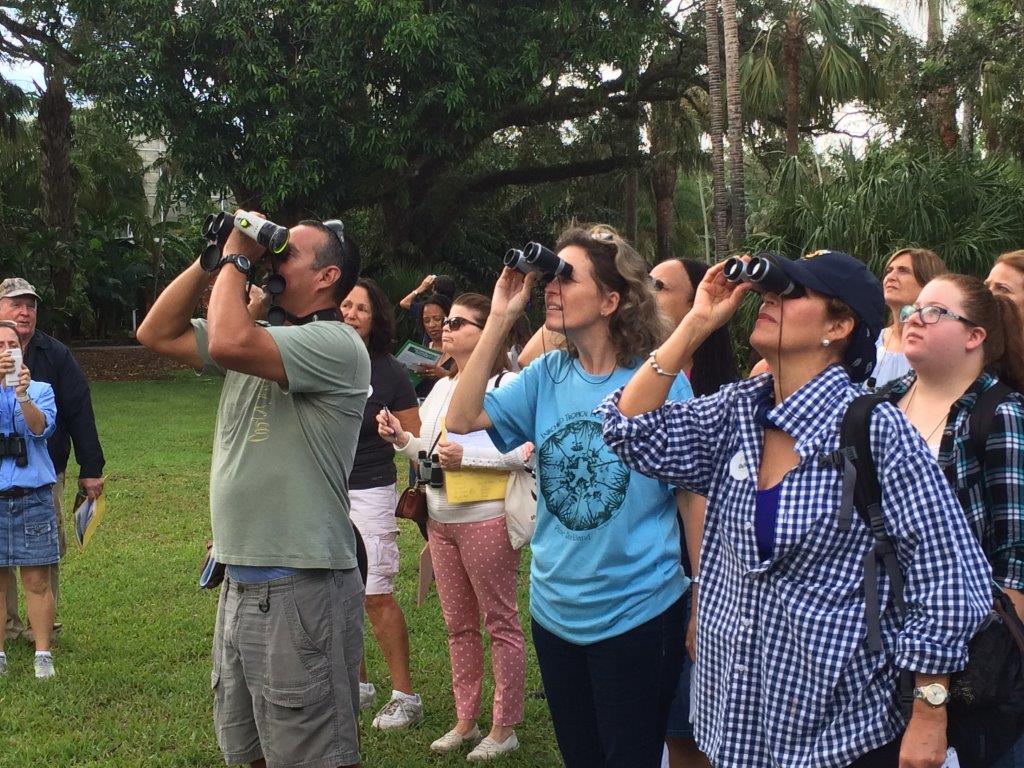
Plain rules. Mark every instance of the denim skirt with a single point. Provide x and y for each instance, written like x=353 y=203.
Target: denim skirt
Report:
x=28 y=529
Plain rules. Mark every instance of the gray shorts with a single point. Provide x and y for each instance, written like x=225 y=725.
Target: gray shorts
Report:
x=285 y=675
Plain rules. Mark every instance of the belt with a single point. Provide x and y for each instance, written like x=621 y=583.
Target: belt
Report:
x=15 y=493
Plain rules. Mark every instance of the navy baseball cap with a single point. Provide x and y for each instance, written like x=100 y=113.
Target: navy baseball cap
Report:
x=840 y=275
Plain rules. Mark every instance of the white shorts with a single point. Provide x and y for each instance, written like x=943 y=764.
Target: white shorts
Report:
x=373 y=513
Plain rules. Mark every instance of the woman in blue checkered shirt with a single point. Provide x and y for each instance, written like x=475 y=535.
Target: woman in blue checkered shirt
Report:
x=786 y=676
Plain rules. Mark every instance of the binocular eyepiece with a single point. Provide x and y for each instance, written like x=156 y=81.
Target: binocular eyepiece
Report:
x=534 y=257
x=764 y=274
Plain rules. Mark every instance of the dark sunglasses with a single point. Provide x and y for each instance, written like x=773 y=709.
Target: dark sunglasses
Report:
x=457 y=322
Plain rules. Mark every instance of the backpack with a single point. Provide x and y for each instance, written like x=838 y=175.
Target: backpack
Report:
x=986 y=707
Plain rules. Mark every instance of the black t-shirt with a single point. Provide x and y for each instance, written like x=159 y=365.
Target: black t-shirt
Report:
x=374 y=465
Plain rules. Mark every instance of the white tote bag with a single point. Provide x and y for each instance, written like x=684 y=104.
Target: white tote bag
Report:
x=521 y=506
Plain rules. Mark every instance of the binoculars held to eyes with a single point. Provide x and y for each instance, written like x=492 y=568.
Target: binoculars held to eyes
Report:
x=217 y=227
x=764 y=274
x=534 y=257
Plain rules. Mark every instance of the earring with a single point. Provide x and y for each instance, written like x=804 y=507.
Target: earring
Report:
x=825 y=342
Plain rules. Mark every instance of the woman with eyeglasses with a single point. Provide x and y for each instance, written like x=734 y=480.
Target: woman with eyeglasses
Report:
x=793 y=671
x=607 y=586
x=961 y=340
x=474 y=563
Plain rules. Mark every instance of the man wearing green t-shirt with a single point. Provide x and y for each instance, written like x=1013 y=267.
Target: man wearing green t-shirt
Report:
x=289 y=632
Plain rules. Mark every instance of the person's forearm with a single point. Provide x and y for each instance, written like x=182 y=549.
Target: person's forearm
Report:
x=230 y=326
x=692 y=509
x=35 y=419
x=648 y=389
x=468 y=398
x=1017 y=598
x=171 y=313
x=410 y=297
x=922 y=708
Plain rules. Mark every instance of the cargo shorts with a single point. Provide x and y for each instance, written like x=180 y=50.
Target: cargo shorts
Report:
x=285 y=677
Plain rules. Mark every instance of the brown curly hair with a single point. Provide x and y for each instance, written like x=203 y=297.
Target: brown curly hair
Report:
x=637 y=326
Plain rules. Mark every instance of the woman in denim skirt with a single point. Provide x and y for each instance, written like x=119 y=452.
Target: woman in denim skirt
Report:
x=28 y=521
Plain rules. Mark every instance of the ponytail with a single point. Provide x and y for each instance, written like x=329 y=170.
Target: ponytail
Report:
x=1011 y=366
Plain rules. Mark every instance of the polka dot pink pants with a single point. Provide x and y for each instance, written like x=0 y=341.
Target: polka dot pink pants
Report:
x=476 y=567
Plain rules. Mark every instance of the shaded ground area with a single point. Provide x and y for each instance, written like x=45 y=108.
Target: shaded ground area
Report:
x=125 y=363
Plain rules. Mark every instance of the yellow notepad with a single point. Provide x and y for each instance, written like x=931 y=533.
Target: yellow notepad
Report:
x=465 y=486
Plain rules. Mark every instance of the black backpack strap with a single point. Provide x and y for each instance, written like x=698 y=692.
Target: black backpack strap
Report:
x=862 y=492
x=983 y=416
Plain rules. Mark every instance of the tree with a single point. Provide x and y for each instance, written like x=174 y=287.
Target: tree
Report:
x=411 y=110
x=828 y=52
x=716 y=127
x=734 y=109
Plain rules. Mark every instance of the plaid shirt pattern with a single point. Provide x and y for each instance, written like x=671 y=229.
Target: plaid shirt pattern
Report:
x=784 y=675
x=991 y=491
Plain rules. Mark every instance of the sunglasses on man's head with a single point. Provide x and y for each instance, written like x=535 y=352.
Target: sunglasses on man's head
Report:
x=457 y=322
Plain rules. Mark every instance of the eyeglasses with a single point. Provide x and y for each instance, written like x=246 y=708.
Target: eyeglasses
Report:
x=930 y=314
x=457 y=322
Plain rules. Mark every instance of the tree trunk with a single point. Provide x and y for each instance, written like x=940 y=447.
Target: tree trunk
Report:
x=967 y=145
x=792 y=48
x=58 y=186
x=716 y=127
x=940 y=97
x=630 y=203
x=664 y=167
x=734 y=107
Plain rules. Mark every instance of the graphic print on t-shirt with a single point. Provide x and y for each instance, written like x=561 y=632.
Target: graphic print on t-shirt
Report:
x=583 y=482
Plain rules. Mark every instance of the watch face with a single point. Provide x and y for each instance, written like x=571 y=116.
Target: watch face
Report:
x=243 y=263
x=934 y=694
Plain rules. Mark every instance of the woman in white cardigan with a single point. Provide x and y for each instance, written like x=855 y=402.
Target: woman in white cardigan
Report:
x=474 y=563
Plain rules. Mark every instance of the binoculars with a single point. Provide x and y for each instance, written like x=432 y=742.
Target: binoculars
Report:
x=764 y=274
x=217 y=227
x=429 y=470
x=534 y=257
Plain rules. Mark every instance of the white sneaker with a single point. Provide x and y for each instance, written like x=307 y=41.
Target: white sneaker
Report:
x=367 y=695
x=453 y=740
x=3 y=663
x=488 y=749
x=44 y=667
x=404 y=710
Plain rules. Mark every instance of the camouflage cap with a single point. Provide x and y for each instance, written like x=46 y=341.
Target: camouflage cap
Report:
x=17 y=286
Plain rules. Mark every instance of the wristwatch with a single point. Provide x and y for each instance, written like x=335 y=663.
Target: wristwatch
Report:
x=242 y=263
x=934 y=695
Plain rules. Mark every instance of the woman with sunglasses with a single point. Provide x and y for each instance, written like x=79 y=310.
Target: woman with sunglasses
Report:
x=786 y=677
x=607 y=586
x=474 y=563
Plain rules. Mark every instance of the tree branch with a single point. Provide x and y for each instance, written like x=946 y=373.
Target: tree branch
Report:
x=489 y=183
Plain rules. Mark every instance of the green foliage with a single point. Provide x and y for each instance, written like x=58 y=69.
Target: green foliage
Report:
x=968 y=210
x=414 y=111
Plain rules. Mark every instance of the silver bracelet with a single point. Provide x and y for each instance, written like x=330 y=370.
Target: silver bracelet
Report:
x=657 y=368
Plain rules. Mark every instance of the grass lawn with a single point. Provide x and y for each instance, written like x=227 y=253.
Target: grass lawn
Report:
x=133 y=682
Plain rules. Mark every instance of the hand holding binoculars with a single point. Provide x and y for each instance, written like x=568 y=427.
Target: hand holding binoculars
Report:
x=217 y=227
x=764 y=274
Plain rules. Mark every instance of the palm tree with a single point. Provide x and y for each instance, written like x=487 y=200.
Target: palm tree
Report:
x=734 y=107
x=716 y=127
x=824 y=51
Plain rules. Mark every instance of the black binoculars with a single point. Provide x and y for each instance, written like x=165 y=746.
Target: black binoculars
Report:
x=534 y=257
x=429 y=470
x=764 y=274
x=13 y=446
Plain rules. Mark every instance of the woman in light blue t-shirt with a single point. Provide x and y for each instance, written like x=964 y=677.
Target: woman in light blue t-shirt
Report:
x=606 y=580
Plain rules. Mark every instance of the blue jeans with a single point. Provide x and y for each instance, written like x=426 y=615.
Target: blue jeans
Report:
x=609 y=700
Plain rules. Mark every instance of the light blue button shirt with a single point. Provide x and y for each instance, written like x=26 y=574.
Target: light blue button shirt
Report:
x=39 y=471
